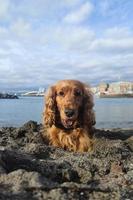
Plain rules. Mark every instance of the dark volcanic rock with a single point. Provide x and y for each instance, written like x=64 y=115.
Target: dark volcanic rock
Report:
x=30 y=169
x=8 y=96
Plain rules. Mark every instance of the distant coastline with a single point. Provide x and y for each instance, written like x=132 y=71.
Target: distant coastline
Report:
x=103 y=90
x=8 y=96
x=116 y=96
x=35 y=93
x=114 y=90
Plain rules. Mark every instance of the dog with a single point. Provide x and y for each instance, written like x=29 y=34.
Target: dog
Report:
x=68 y=116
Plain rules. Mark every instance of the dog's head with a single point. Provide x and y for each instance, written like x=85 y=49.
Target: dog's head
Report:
x=67 y=103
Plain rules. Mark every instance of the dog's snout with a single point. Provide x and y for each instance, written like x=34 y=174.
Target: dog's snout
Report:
x=69 y=112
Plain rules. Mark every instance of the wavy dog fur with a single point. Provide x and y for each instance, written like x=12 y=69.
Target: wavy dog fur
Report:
x=68 y=116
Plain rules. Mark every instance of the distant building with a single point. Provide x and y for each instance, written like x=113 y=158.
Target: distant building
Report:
x=40 y=92
x=120 y=87
x=116 y=88
x=94 y=90
x=103 y=87
x=31 y=93
x=126 y=87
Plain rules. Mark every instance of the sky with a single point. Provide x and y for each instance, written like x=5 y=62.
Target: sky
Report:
x=43 y=41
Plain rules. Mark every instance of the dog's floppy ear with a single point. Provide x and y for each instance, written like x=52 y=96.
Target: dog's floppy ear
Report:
x=88 y=112
x=50 y=107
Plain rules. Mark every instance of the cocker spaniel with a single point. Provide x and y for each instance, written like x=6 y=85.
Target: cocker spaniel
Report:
x=68 y=116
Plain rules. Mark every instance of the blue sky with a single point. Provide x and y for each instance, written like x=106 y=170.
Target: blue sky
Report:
x=42 y=41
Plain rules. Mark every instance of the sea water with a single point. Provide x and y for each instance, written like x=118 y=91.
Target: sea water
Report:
x=110 y=112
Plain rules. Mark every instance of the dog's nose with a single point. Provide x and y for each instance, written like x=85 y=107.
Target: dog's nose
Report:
x=69 y=112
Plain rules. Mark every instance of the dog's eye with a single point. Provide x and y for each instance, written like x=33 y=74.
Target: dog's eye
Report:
x=61 y=93
x=77 y=93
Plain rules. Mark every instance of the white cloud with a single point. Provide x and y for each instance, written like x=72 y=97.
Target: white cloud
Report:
x=80 y=14
x=3 y=33
x=112 y=45
x=47 y=9
x=74 y=38
x=82 y=53
x=4 y=8
x=118 y=32
x=38 y=48
x=114 y=40
x=83 y=40
x=21 y=28
x=70 y=2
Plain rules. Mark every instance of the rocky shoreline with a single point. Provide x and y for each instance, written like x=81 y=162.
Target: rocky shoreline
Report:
x=8 y=96
x=105 y=95
x=30 y=169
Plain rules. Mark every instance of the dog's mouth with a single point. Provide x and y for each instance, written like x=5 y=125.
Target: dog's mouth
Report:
x=68 y=123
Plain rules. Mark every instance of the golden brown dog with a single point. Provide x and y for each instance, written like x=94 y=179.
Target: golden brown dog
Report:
x=69 y=116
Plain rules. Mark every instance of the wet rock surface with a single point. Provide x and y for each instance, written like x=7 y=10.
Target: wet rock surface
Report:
x=30 y=169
